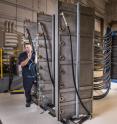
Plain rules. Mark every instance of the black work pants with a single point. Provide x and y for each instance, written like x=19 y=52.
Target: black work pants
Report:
x=28 y=83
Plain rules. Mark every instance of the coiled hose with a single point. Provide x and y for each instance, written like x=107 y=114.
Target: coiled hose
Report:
x=102 y=63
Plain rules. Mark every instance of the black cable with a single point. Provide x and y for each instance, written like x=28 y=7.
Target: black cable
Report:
x=30 y=39
x=104 y=94
x=106 y=71
x=74 y=74
x=47 y=58
x=82 y=104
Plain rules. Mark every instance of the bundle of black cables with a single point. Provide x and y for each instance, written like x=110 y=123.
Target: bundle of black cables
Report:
x=103 y=83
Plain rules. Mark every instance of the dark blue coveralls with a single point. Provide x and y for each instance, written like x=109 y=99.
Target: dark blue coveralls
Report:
x=28 y=74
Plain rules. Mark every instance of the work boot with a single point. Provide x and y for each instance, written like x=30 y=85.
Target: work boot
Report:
x=27 y=104
x=0 y=122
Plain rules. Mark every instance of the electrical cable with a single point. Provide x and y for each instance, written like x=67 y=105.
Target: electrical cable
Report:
x=47 y=58
x=73 y=74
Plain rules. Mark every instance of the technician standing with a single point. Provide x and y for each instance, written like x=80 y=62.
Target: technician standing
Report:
x=26 y=60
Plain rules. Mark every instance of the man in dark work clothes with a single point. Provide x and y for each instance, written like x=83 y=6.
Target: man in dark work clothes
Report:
x=26 y=60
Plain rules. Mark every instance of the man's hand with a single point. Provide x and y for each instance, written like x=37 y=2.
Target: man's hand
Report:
x=29 y=55
x=24 y=63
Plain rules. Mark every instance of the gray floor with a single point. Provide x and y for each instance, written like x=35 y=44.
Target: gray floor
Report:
x=105 y=110
x=13 y=111
x=16 y=84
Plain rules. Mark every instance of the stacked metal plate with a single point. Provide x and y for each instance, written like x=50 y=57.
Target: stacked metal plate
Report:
x=45 y=59
x=74 y=25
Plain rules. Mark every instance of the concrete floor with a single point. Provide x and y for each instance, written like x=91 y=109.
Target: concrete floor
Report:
x=13 y=110
x=105 y=110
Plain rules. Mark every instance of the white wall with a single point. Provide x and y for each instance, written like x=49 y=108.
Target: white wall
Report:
x=19 y=10
x=111 y=10
x=99 y=7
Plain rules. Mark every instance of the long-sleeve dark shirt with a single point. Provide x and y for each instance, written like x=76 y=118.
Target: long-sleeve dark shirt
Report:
x=28 y=71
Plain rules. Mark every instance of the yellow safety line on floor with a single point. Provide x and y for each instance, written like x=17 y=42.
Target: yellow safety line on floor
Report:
x=17 y=92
